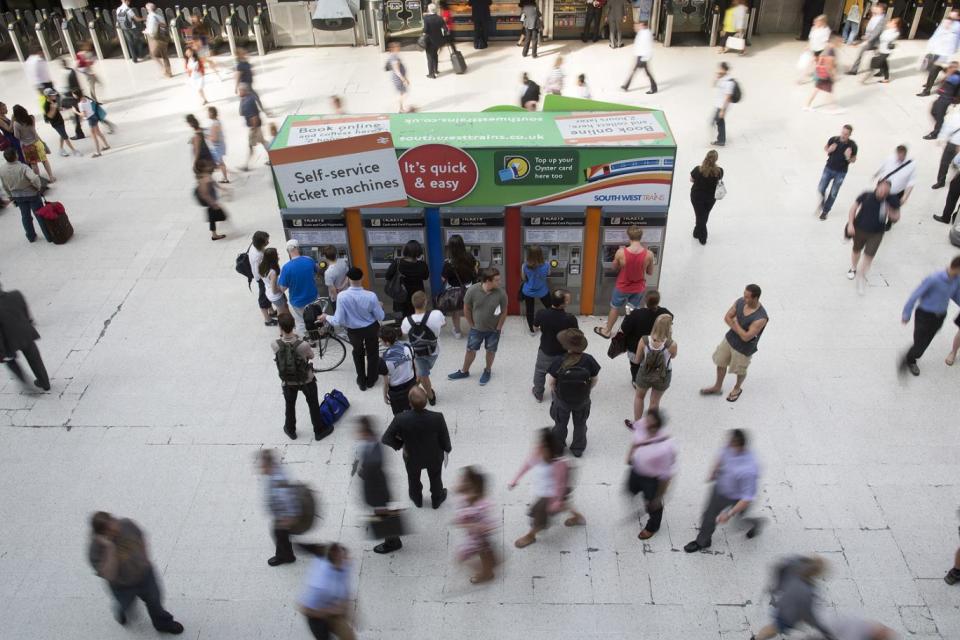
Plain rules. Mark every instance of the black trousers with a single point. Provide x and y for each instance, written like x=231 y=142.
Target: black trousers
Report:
x=318 y=628
x=284 y=546
x=645 y=65
x=708 y=522
x=531 y=39
x=366 y=349
x=721 y=123
x=939 y=112
x=932 y=74
x=529 y=303
x=648 y=487
x=309 y=391
x=398 y=396
x=149 y=591
x=949 y=152
x=433 y=59
x=591 y=26
x=883 y=66
x=32 y=354
x=953 y=194
x=415 y=486
x=701 y=211
x=561 y=412
x=925 y=327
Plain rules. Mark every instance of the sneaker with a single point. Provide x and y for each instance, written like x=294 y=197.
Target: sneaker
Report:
x=63 y=153
x=458 y=375
x=930 y=136
x=694 y=546
x=952 y=577
x=851 y=274
x=384 y=547
x=173 y=627
x=457 y=335
x=276 y=561
x=913 y=368
x=823 y=215
x=485 y=377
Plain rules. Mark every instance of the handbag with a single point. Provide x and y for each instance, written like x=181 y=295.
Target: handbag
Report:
x=451 y=298
x=333 y=406
x=386 y=525
x=735 y=43
x=618 y=345
x=422 y=41
x=721 y=191
x=394 y=287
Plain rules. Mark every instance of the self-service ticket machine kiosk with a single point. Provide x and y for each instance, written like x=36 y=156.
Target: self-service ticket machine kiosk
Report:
x=386 y=231
x=482 y=232
x=314 y=229
x=559 y=232
x=614 y=222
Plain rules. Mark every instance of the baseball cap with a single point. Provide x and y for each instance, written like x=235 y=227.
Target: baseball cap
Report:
x=292 y=244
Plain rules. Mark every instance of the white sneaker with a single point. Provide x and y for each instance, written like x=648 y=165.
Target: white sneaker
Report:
x=851 y=274
x=78 y=153
x=457 y=335
x=63 y=153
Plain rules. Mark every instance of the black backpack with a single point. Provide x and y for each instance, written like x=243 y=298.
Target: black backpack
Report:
x=737 y=94
x=291 y=366
x=242 y=266
x=395 y=288
x=573 y=384
x=422 y=339
x=307 y=505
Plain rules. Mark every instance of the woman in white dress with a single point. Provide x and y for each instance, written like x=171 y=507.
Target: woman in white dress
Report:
x=195 y=72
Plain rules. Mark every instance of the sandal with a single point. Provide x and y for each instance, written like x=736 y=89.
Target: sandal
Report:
x=628 y=424
x=599 y=332
x=218 y=237
x=710 y=392
x=574 y=521
x=480 y=579
x=950 y=359
x=733 y=397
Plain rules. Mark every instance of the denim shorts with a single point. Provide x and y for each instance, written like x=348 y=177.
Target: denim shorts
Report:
x=424 y=364
x=620 y=299
x=490 y=339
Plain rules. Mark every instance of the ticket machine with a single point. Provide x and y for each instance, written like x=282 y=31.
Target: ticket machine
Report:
x=314 y=229
x=614 y=222
x=386 y=231
x=559 y=232
x=482 y=231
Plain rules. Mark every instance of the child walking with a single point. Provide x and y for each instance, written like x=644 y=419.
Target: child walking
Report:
x=475 y=517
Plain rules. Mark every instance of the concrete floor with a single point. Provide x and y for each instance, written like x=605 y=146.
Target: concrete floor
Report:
x=164 y=388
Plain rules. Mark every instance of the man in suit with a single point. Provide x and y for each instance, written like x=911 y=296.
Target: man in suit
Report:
x=424 y=438
x=17 y=333
x=871 y=35
x=434 y=29
x=616 y=14
x=376 y=489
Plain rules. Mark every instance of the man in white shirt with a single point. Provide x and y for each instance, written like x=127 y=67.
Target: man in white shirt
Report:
x=158 y=37
x=335 y=275
x=126 y=19
x=725 y=87
x=901 y=173
x=871 y=35
x=643 y=50
x=949 y=137
x=35 y=66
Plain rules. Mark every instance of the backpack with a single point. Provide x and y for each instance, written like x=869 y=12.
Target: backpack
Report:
x=291 y=366
x=395 y=288
x=737 y=94
x=308 y=508
x=422 y=339
x=654 y=365
x=123 y=18
x=573 y=384
x=242 y=266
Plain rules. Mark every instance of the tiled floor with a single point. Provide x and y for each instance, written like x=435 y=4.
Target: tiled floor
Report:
x=164 y=389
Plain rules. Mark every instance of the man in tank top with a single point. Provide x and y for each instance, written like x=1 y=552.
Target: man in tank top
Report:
x=746 y=318
x=633 y=263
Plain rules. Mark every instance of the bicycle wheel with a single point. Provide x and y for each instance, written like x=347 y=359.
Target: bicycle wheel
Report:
x=331 y=352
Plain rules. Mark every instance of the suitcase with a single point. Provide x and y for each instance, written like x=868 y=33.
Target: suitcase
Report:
x=57 y=222
x=459 y=64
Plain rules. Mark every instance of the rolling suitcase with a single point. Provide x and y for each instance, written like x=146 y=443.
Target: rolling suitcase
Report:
x=459 y=64
x=57 y=222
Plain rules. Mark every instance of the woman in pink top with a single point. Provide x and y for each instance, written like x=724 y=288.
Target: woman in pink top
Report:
x=634 y=263
x=652 y=459
x=475 y=517
x=550 y=474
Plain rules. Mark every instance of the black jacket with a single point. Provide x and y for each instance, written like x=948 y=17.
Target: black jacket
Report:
x=422 y=435
x=376 y=490
x=434 y=27
x=16 y=326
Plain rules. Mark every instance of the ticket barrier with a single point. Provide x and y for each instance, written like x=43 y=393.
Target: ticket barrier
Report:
x=386 y=231
x=482 y=231
x=315 y=228
x=614 y=223
x=559 y=231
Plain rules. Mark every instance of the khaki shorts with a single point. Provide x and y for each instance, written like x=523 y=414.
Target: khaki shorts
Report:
x=726 y=356
x=867 y=242
x=255 y=137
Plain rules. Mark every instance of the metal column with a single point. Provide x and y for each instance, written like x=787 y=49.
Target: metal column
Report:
x=655 y=18
x=668 y=32
x=915 y=23
x=714 y=25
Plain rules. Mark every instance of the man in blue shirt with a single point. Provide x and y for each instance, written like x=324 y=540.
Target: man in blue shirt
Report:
x=297 y=280
x=931 y=300
x=360 y=312
x=325 y=600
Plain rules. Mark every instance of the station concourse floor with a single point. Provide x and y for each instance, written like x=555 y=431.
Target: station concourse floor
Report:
x=164 y=387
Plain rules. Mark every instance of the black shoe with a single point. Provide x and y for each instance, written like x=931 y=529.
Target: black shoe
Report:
x=624 y=87
x=576 y=454
x=120 y=615
x=952 y=577
x=878 y=74
x=943 y=220
x=717 y=143
x=930 y=136
x=417 y=501
x=291 y=433
x=78 y=137
x=435 y=503
x=433 y=399
x=754 y=531
x=938 y=185
x=923 y=94
x=702 y=240
x=690 y=547
x=276 y=561
x=322 y=433
x=173 y=627
x=33 y=239
x=852 y=72
x=385 y=547
x=651 y=91
x=45 y=387
x=823 y=215
x=913 y=368
x=372 y=383
x=431 y=76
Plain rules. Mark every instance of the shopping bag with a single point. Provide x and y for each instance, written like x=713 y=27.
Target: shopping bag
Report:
x=735 y=44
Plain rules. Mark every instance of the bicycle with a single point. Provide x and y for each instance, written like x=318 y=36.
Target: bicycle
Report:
x=330 y=349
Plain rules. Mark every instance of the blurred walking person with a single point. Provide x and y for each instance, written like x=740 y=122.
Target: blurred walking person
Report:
x=195 y=69
x=871 y=34
x=793 y=595
x=398 y=75
x=941 y=47
x=825 y=75
x=118 y=553
x=206 y=193
x=158 y=38
x=653 y=459
x=86 y=60
x=250 y=112
x=282 y=504
x=217 y=143
x=884 y=49
x=475 y=516
x=929 y=303
x=326 y=597
x=734 y=478
x=17 y=333
x=643 y=52
x=53 y=117
x=376 y=488
x=704 y=180
x=33 y=148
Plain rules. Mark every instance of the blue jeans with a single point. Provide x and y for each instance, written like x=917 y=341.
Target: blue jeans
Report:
x=825 y=179
x=28 y=206
x=850 y=31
